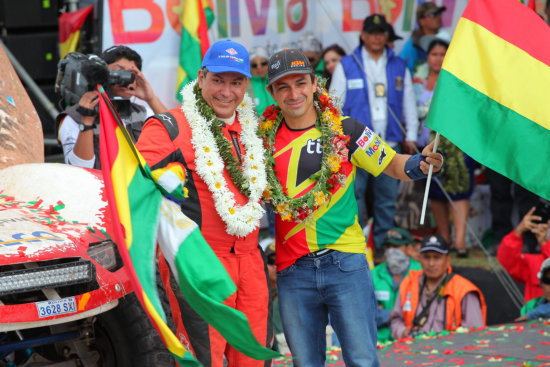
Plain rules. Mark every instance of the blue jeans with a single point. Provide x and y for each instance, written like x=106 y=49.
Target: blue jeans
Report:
x=385 y=195
x=337 y=284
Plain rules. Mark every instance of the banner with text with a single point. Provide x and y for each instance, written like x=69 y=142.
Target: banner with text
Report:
x=153 y=28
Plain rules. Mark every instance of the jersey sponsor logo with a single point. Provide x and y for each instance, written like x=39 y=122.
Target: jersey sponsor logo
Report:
x=365 y=138
x=313 y=146
x=382 y=156
x=374 y=147
x=166 y=118
x=298 y=161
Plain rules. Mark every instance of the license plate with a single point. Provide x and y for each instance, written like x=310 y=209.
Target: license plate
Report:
x=56 y=307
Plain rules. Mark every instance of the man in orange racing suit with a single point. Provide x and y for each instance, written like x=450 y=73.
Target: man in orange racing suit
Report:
x=213 y=137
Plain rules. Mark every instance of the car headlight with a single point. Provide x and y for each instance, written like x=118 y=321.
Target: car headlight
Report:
x=103 y=253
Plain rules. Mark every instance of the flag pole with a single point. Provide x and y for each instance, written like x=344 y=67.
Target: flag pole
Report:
x=429 y=180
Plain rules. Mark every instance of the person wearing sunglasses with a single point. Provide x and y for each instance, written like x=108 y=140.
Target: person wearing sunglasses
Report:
x=258 y=82
x=428 y=18
x=539 y=307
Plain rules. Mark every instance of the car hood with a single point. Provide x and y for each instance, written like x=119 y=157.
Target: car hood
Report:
x=49 y=211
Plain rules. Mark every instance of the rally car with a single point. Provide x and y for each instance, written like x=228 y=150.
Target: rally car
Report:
x=65 y=297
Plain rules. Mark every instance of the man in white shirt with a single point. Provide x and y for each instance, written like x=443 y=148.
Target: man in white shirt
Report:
x=375 y=87
x=78 y=125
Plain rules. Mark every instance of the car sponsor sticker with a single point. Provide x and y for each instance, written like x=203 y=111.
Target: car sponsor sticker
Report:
x=56 y=307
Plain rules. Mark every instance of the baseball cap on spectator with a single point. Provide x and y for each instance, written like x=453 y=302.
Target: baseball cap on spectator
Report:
x=308 y=42
x=376 y=22
x=227 y=56
x=543 y=268
x=287 y=62
x=428 y=7
x=434 y=242
x=258 y=51
x=397 y=237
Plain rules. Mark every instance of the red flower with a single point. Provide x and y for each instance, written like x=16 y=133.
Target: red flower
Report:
x=271 y=112
x=302 y=215
x=268 y=111
x=323 y=99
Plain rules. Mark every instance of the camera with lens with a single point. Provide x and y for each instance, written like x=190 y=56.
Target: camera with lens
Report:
x=78 y=73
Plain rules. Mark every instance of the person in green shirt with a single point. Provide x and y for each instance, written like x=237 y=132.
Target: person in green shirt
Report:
x=398 y=245
x=258 y=82
x=539 y=307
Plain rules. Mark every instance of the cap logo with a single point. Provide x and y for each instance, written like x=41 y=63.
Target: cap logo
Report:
x=231 y=51
x=297 y=64
x=236 y=59
x=276 y=65
x=433 y=239
x=376 y=19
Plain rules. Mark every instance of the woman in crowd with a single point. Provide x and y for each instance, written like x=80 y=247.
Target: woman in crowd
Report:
x=331 y=56
x=457 y=173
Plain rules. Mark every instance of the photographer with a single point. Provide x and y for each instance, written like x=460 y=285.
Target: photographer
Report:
x=79 y=124
x=524 y=267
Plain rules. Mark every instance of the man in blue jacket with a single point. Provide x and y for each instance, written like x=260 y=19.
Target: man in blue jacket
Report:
x=375 y=88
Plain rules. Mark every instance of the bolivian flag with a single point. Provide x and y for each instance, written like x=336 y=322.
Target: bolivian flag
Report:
x=196 y=18
x=141 y=217
x=491 y=97
x=69 y=29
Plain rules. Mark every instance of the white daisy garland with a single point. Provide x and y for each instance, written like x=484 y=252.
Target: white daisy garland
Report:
x=240 y=220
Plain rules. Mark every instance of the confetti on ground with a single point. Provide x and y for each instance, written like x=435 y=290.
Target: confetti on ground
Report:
x=492 y=346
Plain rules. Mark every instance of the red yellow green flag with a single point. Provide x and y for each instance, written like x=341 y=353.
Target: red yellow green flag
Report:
x=490 y=99
x=141 y=217
x=69 y=29
x=196 y=18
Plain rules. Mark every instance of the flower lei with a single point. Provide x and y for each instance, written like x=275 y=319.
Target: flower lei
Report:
x=212 y=149
x=335 y=152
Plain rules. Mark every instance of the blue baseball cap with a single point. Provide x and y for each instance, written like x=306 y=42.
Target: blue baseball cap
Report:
x=227 y=56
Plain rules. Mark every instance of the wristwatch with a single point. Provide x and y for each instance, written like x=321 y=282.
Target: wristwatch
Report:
x=84 y=127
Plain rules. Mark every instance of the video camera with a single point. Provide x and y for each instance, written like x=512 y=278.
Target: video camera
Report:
x=78 y=73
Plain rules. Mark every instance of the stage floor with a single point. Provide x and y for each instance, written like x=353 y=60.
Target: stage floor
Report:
x=516 y=344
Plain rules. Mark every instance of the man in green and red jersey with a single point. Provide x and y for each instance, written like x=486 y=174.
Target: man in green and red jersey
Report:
x=312 y=155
